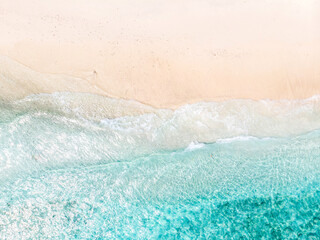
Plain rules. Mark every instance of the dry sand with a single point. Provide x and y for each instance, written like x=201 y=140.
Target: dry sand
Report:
x=163 y=53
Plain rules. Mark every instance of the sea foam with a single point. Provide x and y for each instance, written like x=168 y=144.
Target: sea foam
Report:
x=68 y=129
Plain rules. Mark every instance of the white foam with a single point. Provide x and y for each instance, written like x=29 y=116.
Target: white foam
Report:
x=236 y=139
x=195 y=145
x=134 y=125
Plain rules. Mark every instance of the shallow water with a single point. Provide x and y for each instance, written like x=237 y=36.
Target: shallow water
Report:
x=227 y=170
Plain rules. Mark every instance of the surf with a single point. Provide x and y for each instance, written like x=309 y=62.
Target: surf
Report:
x=82 y=162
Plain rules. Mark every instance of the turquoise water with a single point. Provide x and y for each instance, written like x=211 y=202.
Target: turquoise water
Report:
x=163 y=174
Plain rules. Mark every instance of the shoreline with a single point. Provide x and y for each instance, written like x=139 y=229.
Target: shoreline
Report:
x=141 y=51
x=19 y=74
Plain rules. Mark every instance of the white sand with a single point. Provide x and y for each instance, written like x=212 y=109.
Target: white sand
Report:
x=164 y=53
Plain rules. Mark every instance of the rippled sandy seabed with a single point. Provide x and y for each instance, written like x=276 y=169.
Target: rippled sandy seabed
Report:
x=74 y=169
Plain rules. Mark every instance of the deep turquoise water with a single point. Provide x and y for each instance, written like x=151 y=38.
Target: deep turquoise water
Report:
x=65 y=176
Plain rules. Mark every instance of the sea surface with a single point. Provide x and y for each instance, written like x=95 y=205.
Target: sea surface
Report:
x=82 y=166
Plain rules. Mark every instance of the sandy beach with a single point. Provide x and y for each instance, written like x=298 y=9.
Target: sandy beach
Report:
x=162 y=53
x=159 y=119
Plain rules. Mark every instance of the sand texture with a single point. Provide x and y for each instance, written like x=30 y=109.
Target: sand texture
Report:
x=163 y=53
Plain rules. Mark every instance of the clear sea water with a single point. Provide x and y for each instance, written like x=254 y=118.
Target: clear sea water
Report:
x=77 y=166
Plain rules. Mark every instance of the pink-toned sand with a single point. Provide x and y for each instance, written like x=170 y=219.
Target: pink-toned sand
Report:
x=164 y=53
